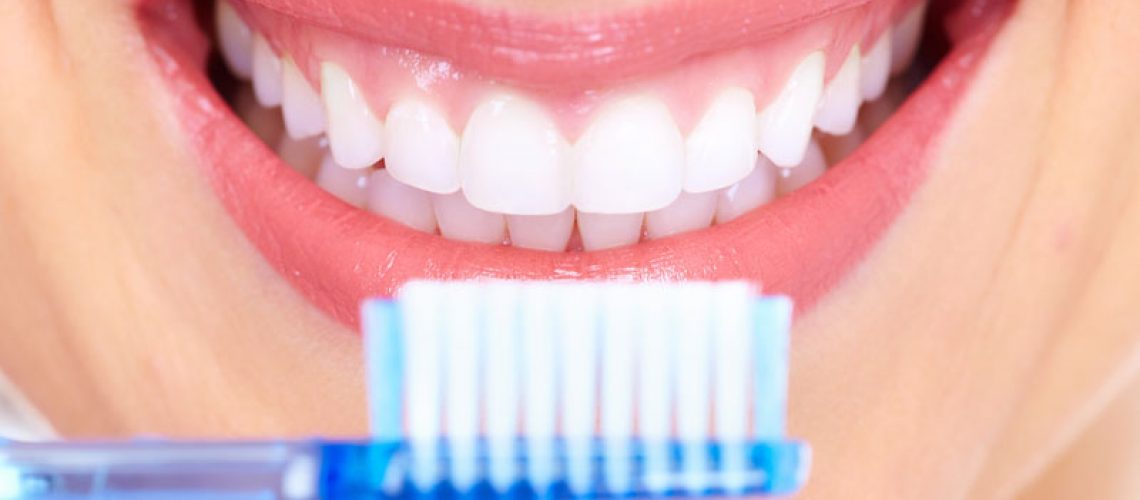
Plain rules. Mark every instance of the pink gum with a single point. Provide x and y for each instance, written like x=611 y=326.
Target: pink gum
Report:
x=387 y=74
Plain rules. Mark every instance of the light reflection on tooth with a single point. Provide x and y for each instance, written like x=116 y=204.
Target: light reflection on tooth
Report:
x=721 y=149
x=689 y=212
x=404 y=204
x=541 y=232
x=235 y=40
x=459 y=220
x=300 y=104
x=602 y=231
x=266 y=73
x=514 y=160
x=423 y=151
x=876 y=69
x=630 y=160
x=303 y=155
x=755 y=190
x=905 y=37
x=355 y=135
x=784 y=126
x=814 y=165
x=839 y=106
x=351 y=186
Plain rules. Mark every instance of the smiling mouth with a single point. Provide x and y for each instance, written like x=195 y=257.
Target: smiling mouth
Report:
x=360 y=144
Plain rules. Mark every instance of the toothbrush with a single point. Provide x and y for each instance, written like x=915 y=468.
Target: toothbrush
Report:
x=505 y=390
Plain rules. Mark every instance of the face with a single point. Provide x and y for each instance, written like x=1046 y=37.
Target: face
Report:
x=187 y=233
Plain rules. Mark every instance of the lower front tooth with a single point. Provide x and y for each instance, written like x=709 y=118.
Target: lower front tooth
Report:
x=602 y=231
x=300 y=104
x=459 y=220
x=630 y=160
x=784 y=126
x=541 y=232
x=814 y=165
x=355 y=135
x=404 y=204
x=841 y=99
x=351 y=186
x=755 y=190
x=689 y=212
x=514 y=160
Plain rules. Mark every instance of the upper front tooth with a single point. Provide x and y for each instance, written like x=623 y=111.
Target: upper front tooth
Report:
x=514 y=160
x=841 y=99
x=784 y=127
x=721 y=149
x=905 y=37
x=876 y=69
x=355 y=135
x=423 y=151
x=234 y=39
x=300 y=104
x=266 y=73
x=631 y=159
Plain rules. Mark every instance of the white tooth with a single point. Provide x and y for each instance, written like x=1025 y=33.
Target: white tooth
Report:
x=721 y=149
x=304 y=155
x=423 y=151
x=755 y=190
x=514 y=160
x=404 y=204
x=300 y=104
x=355 y=135
x=541 y=232
x=814 y=165
x=841 y=99
x=602 y=231
x=234 y=39
x=266 y=73
x=784 y=127
x=348 y=185
x=459 y=220
x=690 y=211
x=631 y=159
x=876 y=69
x=905 y=37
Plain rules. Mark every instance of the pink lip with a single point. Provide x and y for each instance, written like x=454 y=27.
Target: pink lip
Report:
x=336 y=255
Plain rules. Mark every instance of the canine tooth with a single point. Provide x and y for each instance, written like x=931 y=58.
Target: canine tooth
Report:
x=602 y=231
x=721 y=149
x=351 y=186
x=404 y=204
x=423 y=151
x=304 y=155
x=235 y=40
x=459 y=220
x=905 y=37
x=541 y=232
x=814 y=165
x=688 y=212
x=300 y=104
x=514 y=160
x=841 y=98
x=784 y=127
x=876 y=69
x=755 y=190
x=266 y=73
x=631 y=159
x=355 y=135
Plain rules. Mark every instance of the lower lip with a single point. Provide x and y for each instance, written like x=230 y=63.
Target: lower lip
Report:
x=336 y=255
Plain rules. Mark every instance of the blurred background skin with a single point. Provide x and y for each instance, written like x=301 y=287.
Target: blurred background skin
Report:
x=990 y=337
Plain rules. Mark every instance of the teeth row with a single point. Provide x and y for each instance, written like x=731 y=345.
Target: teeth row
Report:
x=512 y=159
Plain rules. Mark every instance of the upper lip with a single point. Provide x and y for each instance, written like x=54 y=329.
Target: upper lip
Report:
x=537 y=48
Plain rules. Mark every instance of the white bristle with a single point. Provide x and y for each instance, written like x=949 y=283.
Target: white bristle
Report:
x=693 y=382
x=540 y=377
x=654 y=385
x=733 y=353
x=620 y=319
x=578 y=380
x=424 y=402
x=501 y=381
x=461 y=342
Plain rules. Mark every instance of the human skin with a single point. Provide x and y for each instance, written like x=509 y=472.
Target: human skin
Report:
x=989 y=327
